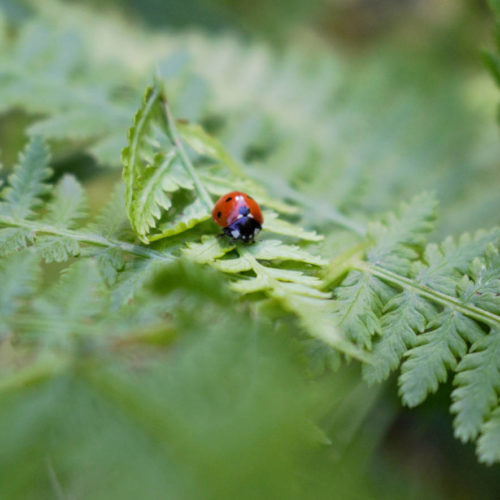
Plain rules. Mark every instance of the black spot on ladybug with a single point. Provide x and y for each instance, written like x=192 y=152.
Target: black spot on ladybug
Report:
x=249 y=197
x=218 y=215
x=229 y=198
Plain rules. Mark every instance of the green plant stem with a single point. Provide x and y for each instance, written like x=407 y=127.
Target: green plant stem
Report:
x=433 y=295
x=84 y=237
x=321 y=209
x=344 y=262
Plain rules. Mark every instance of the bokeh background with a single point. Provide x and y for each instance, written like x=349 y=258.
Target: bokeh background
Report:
x=358 y=105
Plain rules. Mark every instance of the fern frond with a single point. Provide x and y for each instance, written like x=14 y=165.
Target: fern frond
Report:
x=53 y=230
x=359 y=304
x=477 y=382
x=155 y=164
x=56 y=248
x=209 y=146
x=436 y=307
x=284 y=228
x=433 y=307
x=397 y=241
x=19 y=274
x=218 y=184
x=111 y=221
x=488 y=445
x=89 y=123
x=483 y=287
x=400 y=237
x=447 y=263
x=27 y=181
x=68 y=204
x=448 y=333
x=295 y=289
x=405 y=316
x=77 y=297
x=190 y=216
x=145 y=150
x=22 y=196
x=436 y=352
x=14 y=239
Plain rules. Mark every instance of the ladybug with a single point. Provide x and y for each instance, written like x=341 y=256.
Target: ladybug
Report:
x=239 y=216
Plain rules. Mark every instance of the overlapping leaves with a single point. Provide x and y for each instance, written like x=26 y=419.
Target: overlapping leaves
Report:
x=433 y=309
x=156 y=164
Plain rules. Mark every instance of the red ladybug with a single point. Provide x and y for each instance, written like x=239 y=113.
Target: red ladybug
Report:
x=239 y=216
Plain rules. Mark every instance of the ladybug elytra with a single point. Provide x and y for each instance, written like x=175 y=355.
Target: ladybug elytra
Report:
x=239 y=216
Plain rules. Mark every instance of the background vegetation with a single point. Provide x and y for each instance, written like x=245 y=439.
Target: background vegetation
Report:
x=142 y=356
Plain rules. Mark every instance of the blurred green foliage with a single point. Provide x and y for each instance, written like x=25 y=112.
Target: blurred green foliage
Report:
x=162 y=382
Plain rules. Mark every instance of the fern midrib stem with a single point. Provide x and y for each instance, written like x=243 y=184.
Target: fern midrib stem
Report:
x=88 y=238
x=222 y=154
x=351 y=305
x=314 y=204
x=170 y=123
x=433 y=295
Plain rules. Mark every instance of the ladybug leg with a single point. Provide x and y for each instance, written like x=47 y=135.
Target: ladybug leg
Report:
x=226 y=233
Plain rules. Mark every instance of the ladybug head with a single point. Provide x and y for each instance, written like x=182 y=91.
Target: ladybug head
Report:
x=244 y=228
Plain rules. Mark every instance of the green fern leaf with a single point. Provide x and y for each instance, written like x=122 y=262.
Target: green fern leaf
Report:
x=400 y=237
x=446 y=263
x=156 y=164
x=296 y=291
x=208 y=250
x=275 y=250
x=57 y=248
x=68 y=204
x=81 y=124
x=397 y=241
x=477 y=384
x=27 y=181
x=207 y=145
x=187 y=218
x=279 y=226
x=164 y=175
x=483 y=289
x=76 y=297
x=404 y=317
x=19 y=275
x=13 y=239
x=321 y=358
x=436 y=351
x=111 y=221
x=107 y=151
x=359 y=303
x=143 y=155
x=110 y=262
x=132 y=280
x=488 y=445
x=221 y=184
